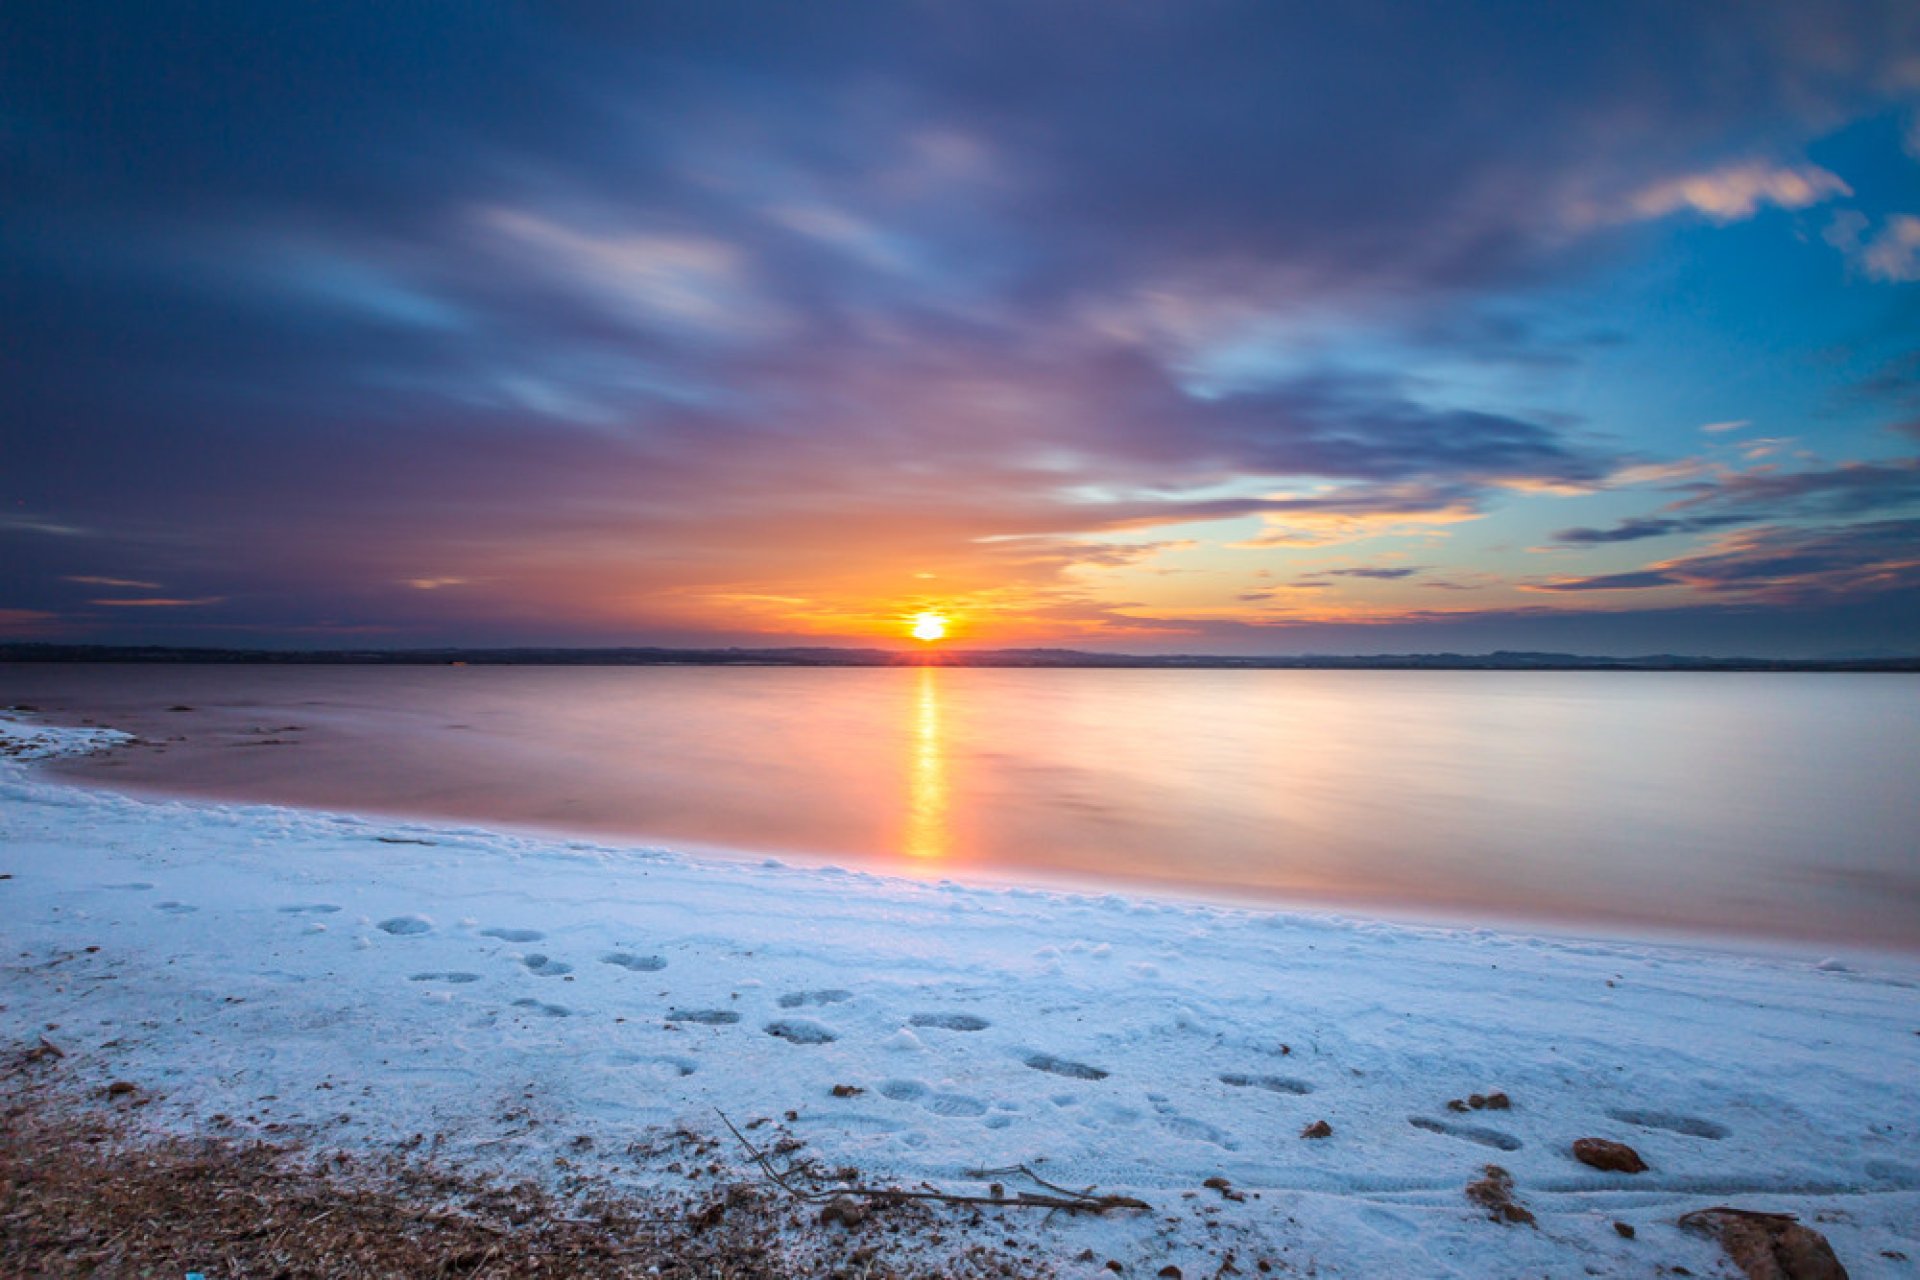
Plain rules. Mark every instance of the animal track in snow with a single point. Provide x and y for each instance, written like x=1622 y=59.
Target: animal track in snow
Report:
x=540 y=1006
x=1062 y=1067
x=544 y=966
x=705 y=1017
x=405 y=926
x=309 y=909
x=1689 y=1125
x=175 y=908
x=638 y=964
x=132 y=886
x=800 y=1031
x=1468 y=1132
x=512 y=935
x=800 y=999
x=1272 y=1084
x=457 y=978
x=950 y=1021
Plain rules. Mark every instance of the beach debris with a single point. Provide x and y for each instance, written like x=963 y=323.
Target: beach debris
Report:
x=848 y=1212
x=44 y=1050
x=1614 y=1157
x=1318 y=1129
x=1481 y=1102
x=1494 y=1193
x=1054 y=1198
x=1767 y=1246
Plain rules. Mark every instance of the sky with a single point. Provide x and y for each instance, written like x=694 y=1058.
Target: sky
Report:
x=1199 y=327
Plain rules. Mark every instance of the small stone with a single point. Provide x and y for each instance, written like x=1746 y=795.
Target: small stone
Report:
x=1318 y=1129
x=1768 y=1246
x=1625 y=1229
x=847 y=1212
x=1169 y=1272
x=1477 y=1101
x=1114 y=1267
x=1499 y=1102
x=847 y=1091
x=1614 y=1157
x=1456 y=1104
x=1494 y=1193
x=121 y=1088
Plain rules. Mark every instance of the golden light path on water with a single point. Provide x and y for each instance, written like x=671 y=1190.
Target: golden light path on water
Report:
x=927 y=835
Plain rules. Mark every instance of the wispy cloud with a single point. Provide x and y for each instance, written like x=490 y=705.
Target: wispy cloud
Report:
x=1735 y=192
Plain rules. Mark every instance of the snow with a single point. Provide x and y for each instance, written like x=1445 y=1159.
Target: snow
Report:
x=357 y=981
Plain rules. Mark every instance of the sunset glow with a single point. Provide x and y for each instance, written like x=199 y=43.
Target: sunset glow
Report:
x=1238 y=329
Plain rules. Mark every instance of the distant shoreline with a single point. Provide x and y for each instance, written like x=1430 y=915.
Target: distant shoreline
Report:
x=827 y=656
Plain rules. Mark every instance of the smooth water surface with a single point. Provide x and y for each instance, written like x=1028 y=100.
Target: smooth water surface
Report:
x=1779 y=805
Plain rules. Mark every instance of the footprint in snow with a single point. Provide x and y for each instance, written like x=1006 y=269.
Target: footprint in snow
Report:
x=309 y=909
x=1187 y=1126
x=638 y=964
x=800 y=999
x=456 y=978
x=705 y=1017
x=544 y=966
x=132 y=886
x=800 y=1031
x=539 y=1006
x=405 y=926
x=950 y=1021
x=1689 y=1125
x=175 y=908
x=1468 y=1132
x=1272 y=1084
x=1062 y=1067
x=939 y=1102
x=511 y=935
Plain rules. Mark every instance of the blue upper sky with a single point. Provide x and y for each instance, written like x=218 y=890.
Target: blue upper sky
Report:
x=1163 y=327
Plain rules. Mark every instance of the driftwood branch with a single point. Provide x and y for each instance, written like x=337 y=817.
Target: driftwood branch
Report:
x=1064 y=1198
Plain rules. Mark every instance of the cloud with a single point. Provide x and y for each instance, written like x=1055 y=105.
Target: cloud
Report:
x=1734 y=424
x=1894 y=254
x=433 y=584
x=1382 y=575
x=1736 y=192
x=1783 y=565
x=158 y=603
x=1633 y=581
x=132 y=583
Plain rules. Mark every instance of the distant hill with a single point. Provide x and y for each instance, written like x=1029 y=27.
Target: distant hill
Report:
x=824 y=656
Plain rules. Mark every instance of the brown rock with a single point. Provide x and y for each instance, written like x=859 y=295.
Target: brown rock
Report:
x=1494 y=1193
x=1625 y=1229
x=847 y=1212
x=1318 y=1129
x=847 y=1091
x=121 y=1088
x=1768 y=1246
x=1614 y=1157
x=1169 y=1272
x=1499 y=1102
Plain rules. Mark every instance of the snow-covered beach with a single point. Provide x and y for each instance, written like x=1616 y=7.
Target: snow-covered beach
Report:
x=353 y=982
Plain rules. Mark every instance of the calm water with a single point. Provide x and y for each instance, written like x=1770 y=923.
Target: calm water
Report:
x=1773 y=805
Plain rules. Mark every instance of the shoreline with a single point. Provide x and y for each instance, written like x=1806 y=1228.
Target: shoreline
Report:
x=232 y=753
x=357 y=981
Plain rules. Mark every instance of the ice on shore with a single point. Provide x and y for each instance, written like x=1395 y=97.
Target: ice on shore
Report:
x=510 y=994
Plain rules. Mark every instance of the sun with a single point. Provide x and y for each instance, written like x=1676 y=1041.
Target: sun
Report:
x=929 y=626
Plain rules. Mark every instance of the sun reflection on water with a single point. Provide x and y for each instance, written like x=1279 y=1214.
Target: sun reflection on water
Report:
x=927 y=835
